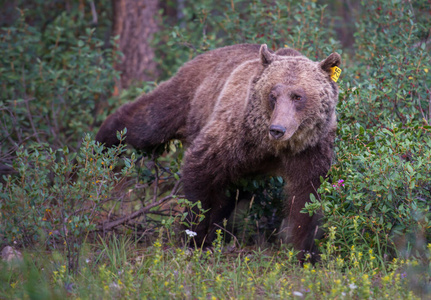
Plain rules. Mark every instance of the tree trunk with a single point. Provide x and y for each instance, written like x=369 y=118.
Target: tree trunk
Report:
x=135 y=22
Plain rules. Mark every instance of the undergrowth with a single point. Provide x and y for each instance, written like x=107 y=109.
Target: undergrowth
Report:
x=117 y=267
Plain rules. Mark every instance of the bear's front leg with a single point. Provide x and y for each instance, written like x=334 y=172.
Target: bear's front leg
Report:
x=302 y=175
x=205 y=178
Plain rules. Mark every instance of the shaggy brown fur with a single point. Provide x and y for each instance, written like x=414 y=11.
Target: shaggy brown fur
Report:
x=242 y=110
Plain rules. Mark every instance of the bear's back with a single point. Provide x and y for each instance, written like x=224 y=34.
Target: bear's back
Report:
x=208 y=74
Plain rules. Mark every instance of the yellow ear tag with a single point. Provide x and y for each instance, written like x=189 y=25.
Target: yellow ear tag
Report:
x=335 y=73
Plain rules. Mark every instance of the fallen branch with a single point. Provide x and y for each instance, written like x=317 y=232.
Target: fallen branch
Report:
x=109 y=225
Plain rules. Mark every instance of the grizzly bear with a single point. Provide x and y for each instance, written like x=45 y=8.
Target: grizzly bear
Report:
x=242 y=110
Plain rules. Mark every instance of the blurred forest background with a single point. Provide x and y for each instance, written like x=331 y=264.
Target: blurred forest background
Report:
x=65 y=65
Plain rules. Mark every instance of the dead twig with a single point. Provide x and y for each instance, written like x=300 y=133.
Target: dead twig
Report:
x=108 y=226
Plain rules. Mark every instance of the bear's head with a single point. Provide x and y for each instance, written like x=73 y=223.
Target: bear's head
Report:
x=299 y=98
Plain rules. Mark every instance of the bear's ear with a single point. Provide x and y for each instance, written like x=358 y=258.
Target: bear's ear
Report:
x=333 y=60
x=266 y=57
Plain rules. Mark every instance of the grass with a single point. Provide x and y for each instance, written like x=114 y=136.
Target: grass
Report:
x=121 y=268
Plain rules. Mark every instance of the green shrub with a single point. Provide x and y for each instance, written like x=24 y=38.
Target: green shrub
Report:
x=391 y=71
x=51 y=83
x=57 y=197
x=208 y=25
x=380 y=192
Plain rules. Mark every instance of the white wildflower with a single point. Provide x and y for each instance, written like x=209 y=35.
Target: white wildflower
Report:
x=352 y=286
x=191 y=233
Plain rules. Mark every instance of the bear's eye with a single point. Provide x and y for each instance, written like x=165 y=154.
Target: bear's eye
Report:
x=272 y=98
x=296 y=97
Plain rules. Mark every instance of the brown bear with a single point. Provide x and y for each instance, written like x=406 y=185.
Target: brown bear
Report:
x=242 y=110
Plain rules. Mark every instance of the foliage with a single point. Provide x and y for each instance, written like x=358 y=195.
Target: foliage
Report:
x=383 y=146
x=57 y=196
x=391 y=77
x=51 y=82
x=380 y=191
x=208 y=25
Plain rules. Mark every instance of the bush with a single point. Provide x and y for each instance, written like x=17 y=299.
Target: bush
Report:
x=379 y=195
x=208 y=25
x=51 y=84
x=392 y=63
x=57 y=197
x=380 y=191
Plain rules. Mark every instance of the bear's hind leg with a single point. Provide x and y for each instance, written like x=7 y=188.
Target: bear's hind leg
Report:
x=152 y=119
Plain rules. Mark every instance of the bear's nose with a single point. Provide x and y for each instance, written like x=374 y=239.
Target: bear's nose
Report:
x=277 y=131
